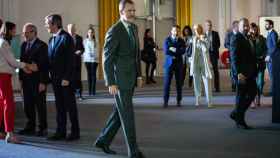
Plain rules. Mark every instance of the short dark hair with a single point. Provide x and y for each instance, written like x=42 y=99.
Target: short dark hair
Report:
x=270 y=22
x=234 y=22
x=123 y=3
x=253 y=25
x=188 y=28
x=55 y=19
x=146 y=33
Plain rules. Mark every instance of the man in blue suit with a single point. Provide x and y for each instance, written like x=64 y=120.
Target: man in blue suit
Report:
x=271 y=43
x=273 y=59
x=174 y=47
x=61 y=64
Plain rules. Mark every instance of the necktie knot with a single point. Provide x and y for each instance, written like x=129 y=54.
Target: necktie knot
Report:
x=28 y=46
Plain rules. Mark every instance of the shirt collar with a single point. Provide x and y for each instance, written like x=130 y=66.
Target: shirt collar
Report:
x=57 y=33
x=31 y=42
x=125 y=23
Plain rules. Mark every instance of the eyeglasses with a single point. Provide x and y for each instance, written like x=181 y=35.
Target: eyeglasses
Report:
x=27 y=32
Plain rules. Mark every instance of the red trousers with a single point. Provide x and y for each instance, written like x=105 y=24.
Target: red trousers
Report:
x=7 y=104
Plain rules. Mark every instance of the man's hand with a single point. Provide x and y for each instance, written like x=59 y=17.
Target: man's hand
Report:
x=65 y=83
x=26 y=70
x=113 y=89
x=42 y=87
x=140 y=82
x=78 y=52
x=241 y=78
x=267 y=59
x=172 y=49
x=31 y=67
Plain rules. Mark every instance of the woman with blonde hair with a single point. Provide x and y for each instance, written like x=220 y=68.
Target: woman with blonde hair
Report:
x=200 y=67
x=8 y=63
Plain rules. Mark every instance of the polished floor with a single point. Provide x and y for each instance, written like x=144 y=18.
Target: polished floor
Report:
x=175 y=132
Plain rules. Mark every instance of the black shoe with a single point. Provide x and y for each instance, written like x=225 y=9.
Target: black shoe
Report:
x=104 y=148
x=42 y=133
x=138 y=155
x=153 y=81
x=233 y=116
x=73 y=137
x=217 y=90
x=243 y=125
x=27 y=131
x=165 y=105
x=148 y=82
x=179 y=104
x=57 y=136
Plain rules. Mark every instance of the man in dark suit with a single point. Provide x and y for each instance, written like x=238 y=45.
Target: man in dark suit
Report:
x=174 y=47
x=229 y=35
x=213 y=39
x=34 y=84
x=273 y=59
x=121 y=65
x=79 y=50
x=244 y=66
x=61 y=64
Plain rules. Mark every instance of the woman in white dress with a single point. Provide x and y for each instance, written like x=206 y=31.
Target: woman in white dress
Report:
x=200 y=67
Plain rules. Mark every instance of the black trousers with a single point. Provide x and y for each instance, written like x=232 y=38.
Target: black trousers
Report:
x=91 y=73
x=275 y=89
x=245 y=94
x=34 y=101
x=78 y=79
x=150 y=72
x=65 y=101
x=214 y=62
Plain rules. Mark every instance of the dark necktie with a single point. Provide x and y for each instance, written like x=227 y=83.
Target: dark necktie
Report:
x=28 y=46
x=53 y=42
x=131 y=35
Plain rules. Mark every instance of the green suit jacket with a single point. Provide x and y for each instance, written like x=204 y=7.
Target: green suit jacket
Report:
x=121 y=58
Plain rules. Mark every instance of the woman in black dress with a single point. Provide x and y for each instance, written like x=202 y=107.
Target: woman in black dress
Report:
x=149 y=56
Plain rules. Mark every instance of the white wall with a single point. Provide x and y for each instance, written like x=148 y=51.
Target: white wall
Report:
x=82 y=13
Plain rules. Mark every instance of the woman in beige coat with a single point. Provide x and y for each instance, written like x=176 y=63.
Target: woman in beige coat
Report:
x=200 y=67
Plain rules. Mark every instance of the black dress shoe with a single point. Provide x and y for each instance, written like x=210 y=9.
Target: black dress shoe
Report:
x=42 y=133
x=105 y=148
x=57 y=136
x=243 y=125
x=138 y=155
x=179 y=104
x=153 y=81
x=165 y=105
x=27 y=131
x=73 y=137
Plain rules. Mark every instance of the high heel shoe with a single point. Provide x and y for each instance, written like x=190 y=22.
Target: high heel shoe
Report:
x=12 y=139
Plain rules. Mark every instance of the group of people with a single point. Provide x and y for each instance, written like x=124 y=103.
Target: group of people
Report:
x=58 y=63
x=195 y=54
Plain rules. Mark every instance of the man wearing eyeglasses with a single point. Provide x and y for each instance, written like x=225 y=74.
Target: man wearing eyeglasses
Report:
x=34 y=84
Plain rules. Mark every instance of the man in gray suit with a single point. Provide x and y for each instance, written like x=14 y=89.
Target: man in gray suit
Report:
x=122 y=72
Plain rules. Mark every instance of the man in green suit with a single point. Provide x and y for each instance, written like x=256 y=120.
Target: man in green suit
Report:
x=122 y=73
